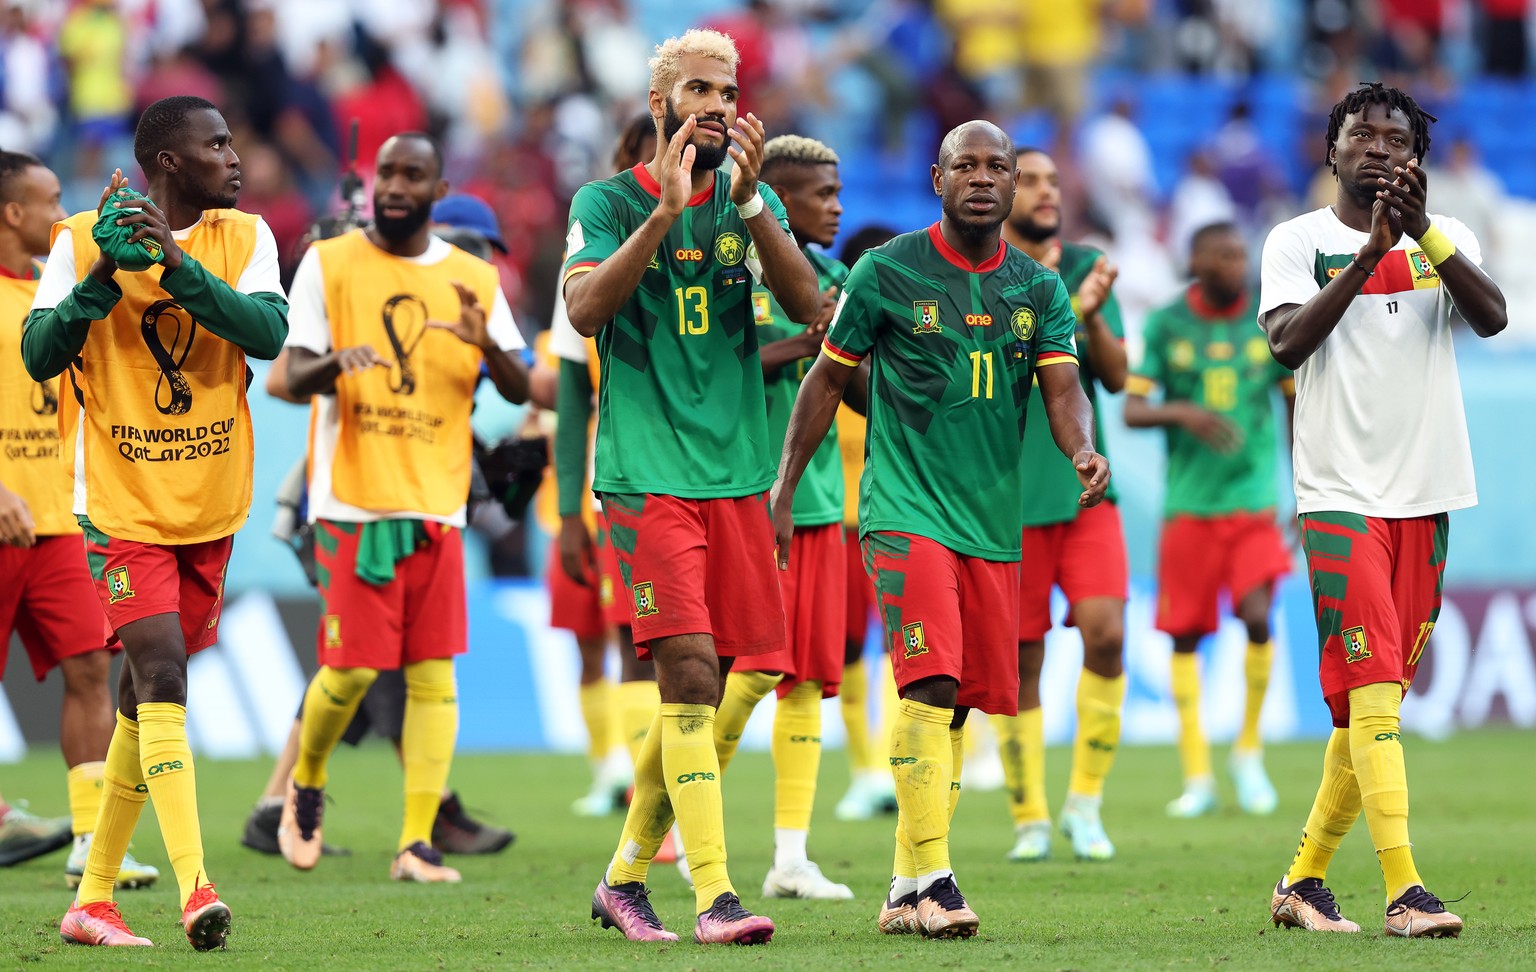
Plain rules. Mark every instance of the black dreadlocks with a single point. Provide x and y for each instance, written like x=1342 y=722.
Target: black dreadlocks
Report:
x=1375 y=93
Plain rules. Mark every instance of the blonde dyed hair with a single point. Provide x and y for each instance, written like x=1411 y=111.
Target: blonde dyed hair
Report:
x=797 y=150
x=667 y=64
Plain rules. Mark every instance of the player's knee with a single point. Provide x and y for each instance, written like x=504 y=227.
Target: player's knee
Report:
x=1104 y=648
x=160 y=683
x=852 y=651
x=431 y=681
x=86 y=675
x=347 y=683
x=939 y=691
x=1031 y=661
x=1257 y=623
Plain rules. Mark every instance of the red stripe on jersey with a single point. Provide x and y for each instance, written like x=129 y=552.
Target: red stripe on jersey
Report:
x=650 y=185
x=838 y=354
x=953 y=256
x=1055 y=357
x=1395 y=274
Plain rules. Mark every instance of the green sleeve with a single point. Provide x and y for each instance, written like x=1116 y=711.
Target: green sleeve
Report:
x=53 y=336
x=774 y=204
x=856 y=323
x=258 y=323
x=593 y=233
x=1058 y=326
x=573 y=411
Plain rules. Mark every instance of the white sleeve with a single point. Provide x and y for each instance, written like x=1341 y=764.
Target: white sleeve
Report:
x=501 y=327
x=565 y=342
x=58 y=277
x=1464 y=238
x=1287 y=271
x=261 y=274
x=308 y=327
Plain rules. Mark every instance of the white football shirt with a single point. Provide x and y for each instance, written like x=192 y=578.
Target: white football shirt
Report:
x=1380 y=429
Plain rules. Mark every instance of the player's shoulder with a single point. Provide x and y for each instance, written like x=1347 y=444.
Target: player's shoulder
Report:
x=344 y=243
x=214 y=217
x=620 y=185
x=1451 y=226
x=1307 y=226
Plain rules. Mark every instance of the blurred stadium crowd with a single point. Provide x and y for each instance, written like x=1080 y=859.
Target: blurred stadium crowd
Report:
x=1168 y=114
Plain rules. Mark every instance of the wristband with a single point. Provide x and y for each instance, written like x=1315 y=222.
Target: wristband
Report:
x=1360 y=266
x=751 y=207
x=1437 y=246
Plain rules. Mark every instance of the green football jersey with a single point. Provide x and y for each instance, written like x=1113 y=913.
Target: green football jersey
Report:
x=954 y=349
x=1051 y=487
x=680 y=399
x=819 y=497
x=1219 y=360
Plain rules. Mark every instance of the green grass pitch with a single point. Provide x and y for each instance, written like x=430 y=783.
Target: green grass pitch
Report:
x=1180 y=895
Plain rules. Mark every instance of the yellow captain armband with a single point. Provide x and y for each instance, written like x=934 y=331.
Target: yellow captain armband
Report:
x=1436 y=245
x=1139 y=385
x=1077 y=307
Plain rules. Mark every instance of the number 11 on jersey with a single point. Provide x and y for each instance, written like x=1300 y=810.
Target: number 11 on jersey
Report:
x=981 y=361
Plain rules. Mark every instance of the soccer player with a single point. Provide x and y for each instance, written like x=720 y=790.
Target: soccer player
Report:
x=956 y=324
x=658 y=264
x=51 y=601
x=389 y=471
x=1357 y=298
x=587 y=589
x=464 y=221
x=1079 y=549
x=804 y=174
x=160 y=442
x=1219 y=534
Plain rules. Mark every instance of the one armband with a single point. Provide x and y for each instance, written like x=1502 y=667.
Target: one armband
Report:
x=1436 y=245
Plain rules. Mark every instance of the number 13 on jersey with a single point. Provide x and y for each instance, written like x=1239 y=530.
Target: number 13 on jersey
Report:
x=692 y=310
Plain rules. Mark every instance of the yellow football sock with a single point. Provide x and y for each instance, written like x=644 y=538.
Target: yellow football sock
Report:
x=330 y=702
x=922 y=755
x=123 y=795
x=1333 y=812
x=1376 y=747
x=692 y=771
x=168 y=772
x=1099 y=701
x=85 y=796
x=650 y=813
x=637 y=709
x=853 y=697
x=957 y=761
x=890 y=708
x=1021 y=741
x=597 y=712
x=427 y=738
x=1194 y=751
x=1256 y=665
x=796 y=756
x=743 y=690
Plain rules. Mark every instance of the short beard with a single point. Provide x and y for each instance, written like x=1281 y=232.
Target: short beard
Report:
x=1032 y=231
x=398 y=230
x=705 y=157
x=971 y=228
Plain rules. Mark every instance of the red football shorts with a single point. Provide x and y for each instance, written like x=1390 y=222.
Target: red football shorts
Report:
x=587 y=609
x=139 y=580
x=699 y=566
x=1201 y=556
x=814 y=594
x=1376 y=586
x=948 y=614
x=861 y=592
x=1085 y=557
x=47 y=597
x=417 y=616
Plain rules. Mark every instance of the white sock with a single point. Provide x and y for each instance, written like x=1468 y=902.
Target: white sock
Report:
x=788 y=847
x=903 y=886
x=1079 y=801
x=926 y=881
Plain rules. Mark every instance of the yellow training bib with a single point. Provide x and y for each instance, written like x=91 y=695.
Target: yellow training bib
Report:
x=30 y=464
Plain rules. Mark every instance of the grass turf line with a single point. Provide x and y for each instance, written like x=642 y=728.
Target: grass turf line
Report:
x=1180 y=895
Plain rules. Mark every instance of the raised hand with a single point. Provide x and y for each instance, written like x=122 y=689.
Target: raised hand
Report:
x=105 y=266
x=360 y=358
x=1094 y=290
x=118 y=181
x=151 y=223
x=471 y=327
x=676 y=175
x=748 y=134
x=1406 y=195
x=1093 y=475
x=1052 y=261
